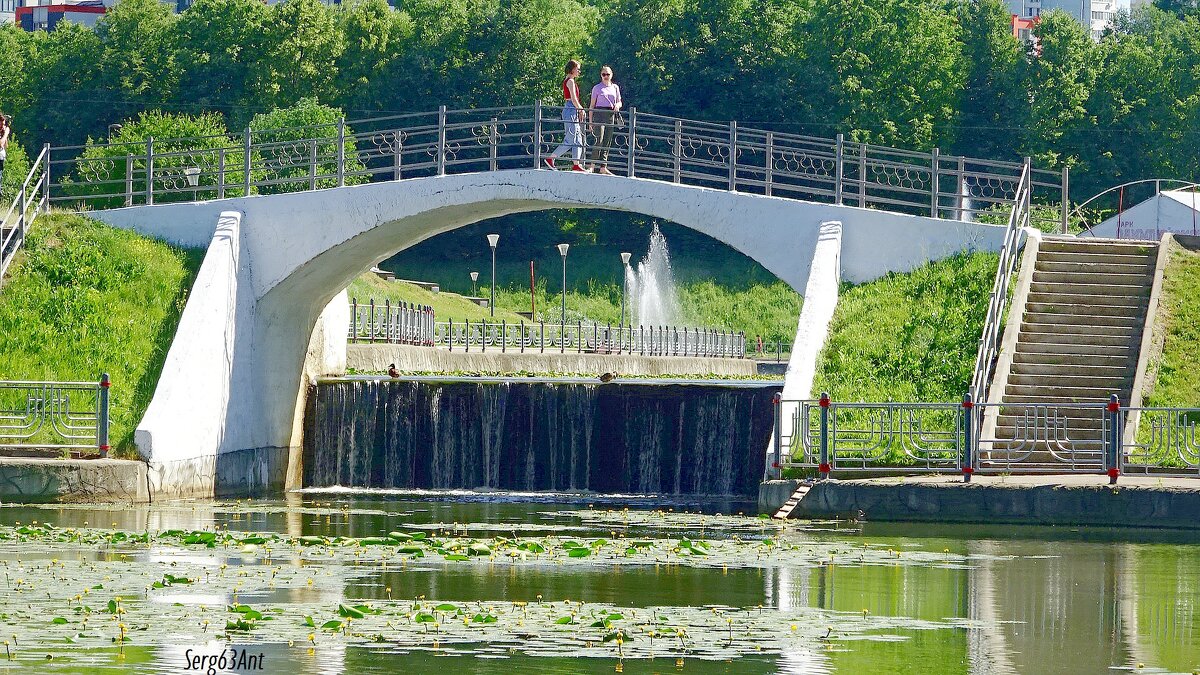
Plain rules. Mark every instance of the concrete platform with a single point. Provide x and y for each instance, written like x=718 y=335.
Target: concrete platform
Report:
x=1136 y=501
x=27 y=480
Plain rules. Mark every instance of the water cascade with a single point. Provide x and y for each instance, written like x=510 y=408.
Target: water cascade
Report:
x=646 y=438
x=655 y=301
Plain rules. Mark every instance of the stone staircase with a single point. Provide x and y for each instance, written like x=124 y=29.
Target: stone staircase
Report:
x=1078 y=342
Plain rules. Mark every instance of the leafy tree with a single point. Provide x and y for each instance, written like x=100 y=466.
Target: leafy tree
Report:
x=993 y=108
x=305 y=44
x=115 y=170
x=219 y=43
x=1059 y=82
x=138 y=57
x=67 y=100
x=375 y=35
x=289 y=138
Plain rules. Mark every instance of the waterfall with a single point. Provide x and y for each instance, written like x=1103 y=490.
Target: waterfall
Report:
x=652 y=286
x=650 y=438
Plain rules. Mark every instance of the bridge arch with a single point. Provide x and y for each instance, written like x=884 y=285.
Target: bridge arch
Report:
x=260 y=324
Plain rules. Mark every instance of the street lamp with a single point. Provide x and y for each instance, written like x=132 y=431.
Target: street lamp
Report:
x=474 y=278
x=493 y=239
x=624 y=284
x=562 y=250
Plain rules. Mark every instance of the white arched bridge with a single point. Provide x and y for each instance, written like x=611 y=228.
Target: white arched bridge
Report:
x=290 y=216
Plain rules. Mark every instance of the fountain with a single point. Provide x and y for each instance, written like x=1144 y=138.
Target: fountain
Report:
x=654 y=299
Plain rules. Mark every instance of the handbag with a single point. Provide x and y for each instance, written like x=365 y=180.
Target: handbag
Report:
x=618 y=120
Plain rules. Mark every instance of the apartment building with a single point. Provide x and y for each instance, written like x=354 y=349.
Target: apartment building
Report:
x=1095 y=15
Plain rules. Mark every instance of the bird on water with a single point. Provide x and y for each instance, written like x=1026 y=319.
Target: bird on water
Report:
x=392 y=370
x=607 y=377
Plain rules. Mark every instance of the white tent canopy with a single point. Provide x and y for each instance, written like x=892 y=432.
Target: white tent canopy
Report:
x=1175 y=211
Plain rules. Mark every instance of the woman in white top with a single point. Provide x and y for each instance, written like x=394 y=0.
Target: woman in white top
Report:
x=5 y=132
x=605 y=104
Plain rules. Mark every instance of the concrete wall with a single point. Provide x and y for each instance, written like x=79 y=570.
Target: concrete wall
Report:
x=1168 y=211
x=377 y=357
x=820 y=301
x=278 y=286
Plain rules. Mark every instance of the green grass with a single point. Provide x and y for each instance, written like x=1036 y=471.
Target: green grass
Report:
x=446 y=306
x=84 y=298
x=1178 y=381
x=908 y=337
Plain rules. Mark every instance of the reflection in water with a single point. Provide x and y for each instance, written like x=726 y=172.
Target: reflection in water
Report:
x=1044 y=601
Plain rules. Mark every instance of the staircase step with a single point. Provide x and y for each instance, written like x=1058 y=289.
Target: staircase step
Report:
x=1118 y=383
x=1078 y=245
x=1044 y=318
x=1038 y=337
x=792 y=502
x=1133 y=269
x=1066 y=404
x=1093 y=258
x=1095 y=278
x=1067 y=391
x=1097 y=290
x=1072 y=359
x=1068 y=308
x=1078 y=331
x=1072 y=348
x=1085 y=425
x=1039 y=296
x=1120 y=372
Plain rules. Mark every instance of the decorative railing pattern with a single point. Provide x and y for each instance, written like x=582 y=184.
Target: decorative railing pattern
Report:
x=947 y=438
x=402 y=323
x=721 y=155
x=993 y=325
x=582 y=337
x=66 y=415
x=31 y=200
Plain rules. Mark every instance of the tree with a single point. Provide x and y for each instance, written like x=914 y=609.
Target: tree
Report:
x=375 y=35
x=305 y=43
x=219 y=43
x=1059 y=81
x=138 y=57
x=113 y=172
x=290 y=138
x=993 y=108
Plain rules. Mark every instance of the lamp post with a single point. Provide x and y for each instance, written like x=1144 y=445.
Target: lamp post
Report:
x=624 y=284
x=562 y=250
x=474 y=278
x=493 y=239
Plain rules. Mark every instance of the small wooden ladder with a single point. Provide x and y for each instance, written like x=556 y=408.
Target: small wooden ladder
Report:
x=790 y=505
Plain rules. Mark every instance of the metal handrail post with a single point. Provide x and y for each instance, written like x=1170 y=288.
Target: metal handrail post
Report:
x=398 y=155
x=371 y=322
x=247 y=149
x=631 y=139
x=522 y=335
x=46 y=177
x=960 y=178
x=128 y=179
x=221 y=173
x=677 y=150
x=150 y=171
x=967 y=458
x=102 y=416
x=770 y=168
x=839 y=169
x=387 y=321
x=312 y=164
x=732 y=156
x=503 y=335
x=1112 y=443
x=1066 y=197
x=450 y=334
x=493 y=142
x=483 y=336
x=537 y=134
x=341 y=152
x=862 y=175
x=354 y=320
x=823 y=466
x=933 y=183
x=441 y=155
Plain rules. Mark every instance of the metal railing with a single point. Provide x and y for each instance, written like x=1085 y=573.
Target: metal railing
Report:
x=32 y=198
x=60 y=415
x=993 y=325
x=721 y=155
x=947 y=438
x=402 y=323
x=583 y=337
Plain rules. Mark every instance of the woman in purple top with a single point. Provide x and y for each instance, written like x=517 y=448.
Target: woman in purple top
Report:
x=605 y=103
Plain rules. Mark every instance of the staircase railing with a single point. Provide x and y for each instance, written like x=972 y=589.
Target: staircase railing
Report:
x=724 y=155
x=32 y=198
x=993 y=325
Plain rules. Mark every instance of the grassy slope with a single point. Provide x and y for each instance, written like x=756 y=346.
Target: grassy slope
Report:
x=1178 y=382
x=84 y=298
x=446 y=306
x=908 y=337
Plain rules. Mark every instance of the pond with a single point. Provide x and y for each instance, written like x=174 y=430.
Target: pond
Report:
x=373 y=581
